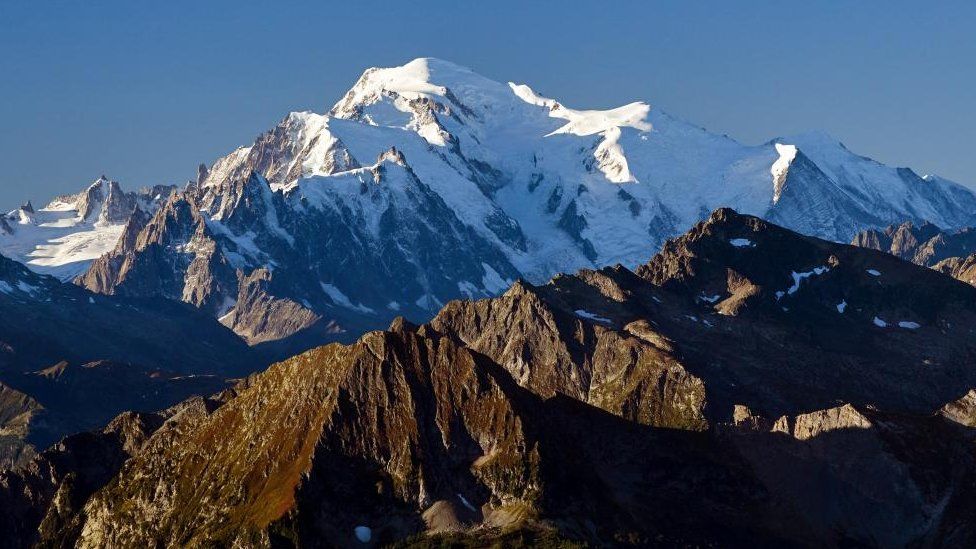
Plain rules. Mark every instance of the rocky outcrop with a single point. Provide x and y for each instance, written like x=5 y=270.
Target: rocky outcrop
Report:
x=42 y=500
x=548 y=347
x=960 y=268
x=962 y=411
x=258 y=316
x=402 y=432
x=949 y=252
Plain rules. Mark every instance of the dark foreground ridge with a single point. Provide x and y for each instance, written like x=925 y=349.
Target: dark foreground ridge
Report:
x=748 y=386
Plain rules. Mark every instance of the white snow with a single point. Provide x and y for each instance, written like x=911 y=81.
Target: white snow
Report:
x=879 y=323
x=841 y=306
x=492 y=281
x=800 y=277
x=682 y=169
x=363 y=533
x=582 y=313
x=6 y=287
x=468 y=289
x=709 y=299
x=874 y=272
x=779 y=169
x=466 y=503
x=58 y=242
x=633 y=115
x=742 y=243
x=342 y=300
x=909 y=325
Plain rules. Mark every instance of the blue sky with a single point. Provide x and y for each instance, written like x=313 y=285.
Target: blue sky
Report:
x=145 y=91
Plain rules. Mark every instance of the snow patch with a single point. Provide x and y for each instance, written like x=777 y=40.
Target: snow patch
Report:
x=467 y=289
x=800 y=277
x=342 y=300
x=909 y=325
x=841 y=306
x=742 y=243
x=582 y=313
x=879 y=323
x=492 y=281
x=466 y=503
x=873 y=272
x=709 y=299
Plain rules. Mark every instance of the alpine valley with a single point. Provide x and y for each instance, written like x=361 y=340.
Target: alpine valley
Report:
x=623 y=331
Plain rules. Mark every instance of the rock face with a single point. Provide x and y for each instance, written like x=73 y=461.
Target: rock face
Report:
x=949 y=252
x=42 y=500
x=428 y=182
x=925 y=245
x=960 y=268
x=719 y=395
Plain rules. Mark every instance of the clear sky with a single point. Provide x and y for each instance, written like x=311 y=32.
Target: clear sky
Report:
x=145 y=91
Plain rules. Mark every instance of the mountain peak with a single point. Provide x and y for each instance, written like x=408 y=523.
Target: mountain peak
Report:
x=424 y=77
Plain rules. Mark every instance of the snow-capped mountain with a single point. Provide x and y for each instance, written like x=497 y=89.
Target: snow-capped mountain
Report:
x=428 y=182
x=62 y=238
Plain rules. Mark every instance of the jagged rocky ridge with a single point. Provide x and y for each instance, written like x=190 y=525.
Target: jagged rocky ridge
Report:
x=747 y=386
x=949 y=252
x=70 y=360
x=428 y=182
x=62 y=238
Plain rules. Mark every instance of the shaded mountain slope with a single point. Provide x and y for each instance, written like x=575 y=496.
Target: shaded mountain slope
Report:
x=44 y=321
x=77 y=359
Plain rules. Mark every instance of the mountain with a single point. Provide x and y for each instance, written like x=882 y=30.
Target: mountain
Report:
x=746 y=386
x=63 y=238
x=428 y=182
x=70 y=360
x=949 y=252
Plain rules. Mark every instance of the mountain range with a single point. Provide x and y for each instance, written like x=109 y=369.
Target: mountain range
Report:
x=746 y=386
x=428 y=182
x=493 y=319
